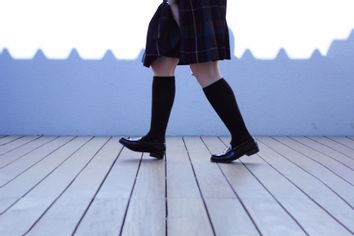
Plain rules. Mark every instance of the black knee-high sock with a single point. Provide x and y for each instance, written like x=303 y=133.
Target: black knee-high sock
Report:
x=163 y=94
x=222 y=99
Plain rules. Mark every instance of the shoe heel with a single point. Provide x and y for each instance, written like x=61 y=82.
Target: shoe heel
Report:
x=253 y=151
x=158 y=155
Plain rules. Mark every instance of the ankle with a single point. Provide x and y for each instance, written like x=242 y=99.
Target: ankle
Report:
x=236 y=142
x=150 y=138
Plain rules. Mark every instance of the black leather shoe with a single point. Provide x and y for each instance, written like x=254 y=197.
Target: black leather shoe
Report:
x=156 y=148
x=230 y=153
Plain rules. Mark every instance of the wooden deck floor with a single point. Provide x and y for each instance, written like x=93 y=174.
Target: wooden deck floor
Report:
x=85 y=185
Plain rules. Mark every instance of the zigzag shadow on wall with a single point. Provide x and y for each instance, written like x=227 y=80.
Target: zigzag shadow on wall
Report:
x=291 y=96
x=338 y=48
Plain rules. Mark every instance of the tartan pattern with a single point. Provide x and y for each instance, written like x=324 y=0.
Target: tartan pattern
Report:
x=163 y=36
x=202 y=36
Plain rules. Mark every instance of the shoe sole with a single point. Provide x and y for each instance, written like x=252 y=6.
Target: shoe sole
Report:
x=156 y=154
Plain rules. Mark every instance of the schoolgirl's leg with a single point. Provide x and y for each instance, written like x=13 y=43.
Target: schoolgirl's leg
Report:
x=162 y=97
x=163 y=94
x=206 y=73
x=164 y=66
x=221 y=96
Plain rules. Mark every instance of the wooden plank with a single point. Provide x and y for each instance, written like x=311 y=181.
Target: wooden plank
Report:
x=325 y=150
x=14 y=169
x=145 y=217
x=62 y=217
x=10 y=146
x=228 y=217
x=76 y=204
x=337 y=184
x=32 y=205
x=264 y=209
x=335 y=146
x=106 y=213
x=333 y=165
x=310 y=186
x=186 y=212
x=146 y=214
x=9 y=138
x=314 y=219
x=346 y=141
x=13 y=191
x=22 y=152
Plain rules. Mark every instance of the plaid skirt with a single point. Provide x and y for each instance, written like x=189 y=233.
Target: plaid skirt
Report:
x=201 y=36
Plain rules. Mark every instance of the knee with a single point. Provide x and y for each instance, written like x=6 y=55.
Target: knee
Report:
x=206 y=73
x=205 y=69
x=164 y=66
x=197 y=70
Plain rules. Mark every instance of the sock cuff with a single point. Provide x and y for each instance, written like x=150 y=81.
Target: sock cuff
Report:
x=164 y=77
x=212 y=85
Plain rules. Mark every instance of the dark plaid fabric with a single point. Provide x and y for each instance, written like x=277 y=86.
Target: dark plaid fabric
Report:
x=163 y=36
x=202 y=35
